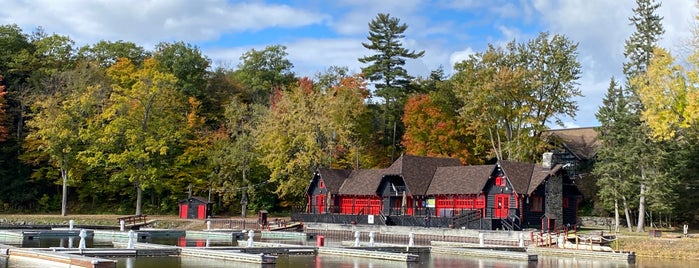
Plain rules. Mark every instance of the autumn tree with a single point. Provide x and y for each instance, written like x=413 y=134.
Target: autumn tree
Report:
x=4 y=129
x=142 y=128
x=509 y=94
x=58 y=121
x=432 y=131
x=309 y=127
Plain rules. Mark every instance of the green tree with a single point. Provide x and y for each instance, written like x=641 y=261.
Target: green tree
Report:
x=385 y=70
x=58 y=119
x=612 y=166
x=106 y=53
x=234 y=157
x=264 y=71
x=386 y=66
x=638 y=50
x=144 y=125
x=510 y=94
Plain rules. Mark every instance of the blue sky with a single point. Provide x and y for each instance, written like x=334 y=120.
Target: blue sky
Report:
x=319 y=34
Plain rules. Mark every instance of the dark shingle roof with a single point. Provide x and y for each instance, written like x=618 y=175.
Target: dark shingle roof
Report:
x=417 y=171
x=362 y=182
x=539 y=175
x=519 y=174
x=460 y=179
x=333 y=178
x=582 y=142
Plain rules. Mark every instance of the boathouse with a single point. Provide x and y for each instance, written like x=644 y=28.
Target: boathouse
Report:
x=431 y=191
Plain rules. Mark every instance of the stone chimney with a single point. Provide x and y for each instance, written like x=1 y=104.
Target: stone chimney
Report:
x=547 y=160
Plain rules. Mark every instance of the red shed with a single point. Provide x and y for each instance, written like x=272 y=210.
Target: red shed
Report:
x=195 y=207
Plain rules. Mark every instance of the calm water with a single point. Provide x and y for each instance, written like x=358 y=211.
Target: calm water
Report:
x=426 y=260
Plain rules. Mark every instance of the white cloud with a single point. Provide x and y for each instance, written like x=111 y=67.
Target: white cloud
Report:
x=459 y=56
x=601 y=28
x=149 y=22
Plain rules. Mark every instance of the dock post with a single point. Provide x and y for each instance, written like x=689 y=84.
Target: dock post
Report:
x=208 y=225
x=251 y=234
x=481 y=239
x=83 y=234
x=356 y=238
x=371 y=238
x=411 y=239
x=122 y=225
x=70 y=224
x=131 y=235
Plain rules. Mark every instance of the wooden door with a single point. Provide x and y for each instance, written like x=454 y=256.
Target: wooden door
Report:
x=320 y=203
x=183 y=211
x=502 y=206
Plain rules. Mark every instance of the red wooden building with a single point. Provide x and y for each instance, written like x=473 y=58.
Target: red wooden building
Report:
x=441 y=192
x=195 y=208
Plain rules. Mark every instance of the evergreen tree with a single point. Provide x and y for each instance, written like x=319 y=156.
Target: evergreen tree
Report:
x=638 y=49
x=386 y=70
x=641 y=150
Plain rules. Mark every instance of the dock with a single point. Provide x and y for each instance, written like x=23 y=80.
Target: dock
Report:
x=487 y=253
x=628 y=257
x=369 y=254
x=140 y=235
x=50 y=258
x=228 y=255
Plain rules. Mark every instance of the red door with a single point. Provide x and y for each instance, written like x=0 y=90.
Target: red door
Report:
x=201 y=213
x=320 y=203
x=183 y=211
x=502 y=205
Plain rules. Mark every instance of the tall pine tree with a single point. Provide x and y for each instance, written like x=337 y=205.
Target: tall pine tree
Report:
x=386 y=70
x=640 y=149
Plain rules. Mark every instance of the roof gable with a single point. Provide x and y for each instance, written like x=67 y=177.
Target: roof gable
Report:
x=418 y=171
x=581 y=142
x=333 y=178
x=518 y=174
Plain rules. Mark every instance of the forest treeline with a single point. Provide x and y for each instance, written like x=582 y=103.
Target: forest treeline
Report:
x=111 y=126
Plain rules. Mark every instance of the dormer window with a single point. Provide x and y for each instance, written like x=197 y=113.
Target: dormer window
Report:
x=500 y=181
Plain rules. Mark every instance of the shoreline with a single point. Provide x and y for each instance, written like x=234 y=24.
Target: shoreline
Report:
x=670 y=245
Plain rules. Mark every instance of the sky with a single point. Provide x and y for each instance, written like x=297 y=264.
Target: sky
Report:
x=319 y=34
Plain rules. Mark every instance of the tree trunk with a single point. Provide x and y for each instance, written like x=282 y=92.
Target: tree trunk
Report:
x=641 y=208
x=244 y=198
x=139 y=197
x=616 y=215
x=64 y=199
x=627 y=212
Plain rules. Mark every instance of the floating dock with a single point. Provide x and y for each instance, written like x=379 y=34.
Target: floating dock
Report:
x=228 y=255
x=369 y=254
x=51 y=258
x=140 y=235
x=628 y=257
x=487 y=253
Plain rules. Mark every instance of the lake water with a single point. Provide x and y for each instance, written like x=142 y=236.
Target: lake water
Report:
x=302 y=261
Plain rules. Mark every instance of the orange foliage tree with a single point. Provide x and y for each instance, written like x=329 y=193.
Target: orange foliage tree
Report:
x=4 y=132
x=432 y=132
